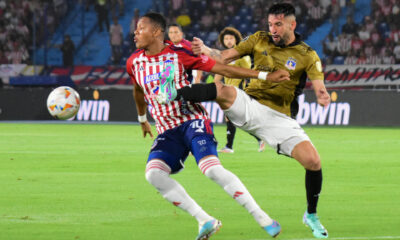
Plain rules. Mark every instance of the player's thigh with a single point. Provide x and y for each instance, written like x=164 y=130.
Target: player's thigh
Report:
x=277 y=129
x=200 y=139
x=226 y=95
x=239 y=113
x=171 y=149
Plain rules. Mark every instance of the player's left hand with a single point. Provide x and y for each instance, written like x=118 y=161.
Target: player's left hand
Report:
x=146 y=129
x=323 y=97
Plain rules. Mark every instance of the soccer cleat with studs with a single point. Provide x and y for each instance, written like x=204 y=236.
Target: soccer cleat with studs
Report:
x=273 y=229
x=208 y=229
x=312 y=221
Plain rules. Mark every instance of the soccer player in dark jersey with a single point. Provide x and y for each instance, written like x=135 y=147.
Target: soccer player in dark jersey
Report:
x=228 y=38
x=175 y=35
x=267 y=109
x=183 y=126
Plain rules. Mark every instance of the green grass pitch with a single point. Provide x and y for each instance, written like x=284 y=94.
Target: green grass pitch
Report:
x=78 y=181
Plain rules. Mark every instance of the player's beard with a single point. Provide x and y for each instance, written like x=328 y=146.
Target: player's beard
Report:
x=283 y=40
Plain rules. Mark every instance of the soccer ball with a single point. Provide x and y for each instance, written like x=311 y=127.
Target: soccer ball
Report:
x=63 y=103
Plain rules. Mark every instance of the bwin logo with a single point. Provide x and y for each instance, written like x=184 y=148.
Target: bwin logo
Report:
x=93 y=110
x=334 y=114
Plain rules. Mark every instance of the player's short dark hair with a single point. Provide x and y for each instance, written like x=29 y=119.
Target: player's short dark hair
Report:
x=286 y=9
x=157 y=19
x=175 y=25
x=229 y=31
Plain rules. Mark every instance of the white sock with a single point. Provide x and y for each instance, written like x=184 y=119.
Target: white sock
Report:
x=157 y=173
x=212 y=168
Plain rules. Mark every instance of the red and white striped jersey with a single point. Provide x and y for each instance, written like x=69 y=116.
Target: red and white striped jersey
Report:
x=145 y=70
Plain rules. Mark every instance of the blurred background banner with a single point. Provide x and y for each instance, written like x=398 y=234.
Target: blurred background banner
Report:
x=348 y=108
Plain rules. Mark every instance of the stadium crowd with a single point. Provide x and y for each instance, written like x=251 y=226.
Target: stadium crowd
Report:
x=376 y=40
x=17 y=24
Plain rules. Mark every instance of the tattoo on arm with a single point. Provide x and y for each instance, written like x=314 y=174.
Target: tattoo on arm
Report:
x=216 y=54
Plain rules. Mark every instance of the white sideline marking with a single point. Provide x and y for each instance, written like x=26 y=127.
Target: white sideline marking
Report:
x=343 y=238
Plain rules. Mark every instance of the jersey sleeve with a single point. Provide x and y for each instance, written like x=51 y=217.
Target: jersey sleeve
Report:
x=129 y=70
x=191 y=61
x=314 y=69
x=244 y=62
x=246 y=46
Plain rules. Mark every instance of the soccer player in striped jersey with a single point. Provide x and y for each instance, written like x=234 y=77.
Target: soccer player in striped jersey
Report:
x=184 y=126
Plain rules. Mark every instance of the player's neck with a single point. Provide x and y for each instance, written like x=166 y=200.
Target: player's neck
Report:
x=155 y=48
x=291 y=39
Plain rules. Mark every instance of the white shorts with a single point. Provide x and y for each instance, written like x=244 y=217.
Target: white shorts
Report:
x=277 y=129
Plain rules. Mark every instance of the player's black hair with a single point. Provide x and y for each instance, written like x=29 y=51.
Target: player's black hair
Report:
x=175 y=25
x=157 y=19
x=286 y=9
x=229 y=31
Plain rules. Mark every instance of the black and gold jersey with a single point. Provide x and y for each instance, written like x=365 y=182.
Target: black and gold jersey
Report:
x=299 y=59
x=244 y=62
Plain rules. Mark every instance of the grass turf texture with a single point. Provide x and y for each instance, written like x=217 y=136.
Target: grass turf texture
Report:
x=87 y=182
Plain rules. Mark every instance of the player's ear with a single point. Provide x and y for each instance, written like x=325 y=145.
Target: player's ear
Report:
x=293 y=25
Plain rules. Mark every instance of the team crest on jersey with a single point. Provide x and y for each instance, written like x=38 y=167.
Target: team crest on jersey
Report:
x=291 y=63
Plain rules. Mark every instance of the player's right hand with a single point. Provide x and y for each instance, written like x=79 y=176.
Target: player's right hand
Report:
x=279 y=75
x=146 y=129
x=197 y=45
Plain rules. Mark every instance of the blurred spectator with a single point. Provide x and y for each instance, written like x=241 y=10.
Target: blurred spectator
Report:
x=316 y=13
x=120 y=8
x=116 y=38
x=132 y=28
x=330 y=46
x=18 y=54
x=134 y=21
x=206 y=20
x=369 y=24
x=374 y=58
x=351 y=58
x=102 y=14
x=394 y=32
x=396 y=52
x=356 y=43
x=376 y=38
x=388 y=57
x=363 y=33
x=335 y=14
x=349 y=27
x=362 y=59
x=68 y=50
x=3 y=58
x=344 y=44
x=184 y=19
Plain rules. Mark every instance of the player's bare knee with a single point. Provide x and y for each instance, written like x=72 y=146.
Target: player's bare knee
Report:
x=313 y=162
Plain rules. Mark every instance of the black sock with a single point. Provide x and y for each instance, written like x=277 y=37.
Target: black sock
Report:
x=258 y=139
x=197 y=92
x=230 y=134
x=313 y=188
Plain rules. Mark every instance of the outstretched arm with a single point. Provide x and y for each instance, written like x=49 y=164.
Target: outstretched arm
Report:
x=141 y=105
x=237 y=72
x=322 y=94
x=225 y=56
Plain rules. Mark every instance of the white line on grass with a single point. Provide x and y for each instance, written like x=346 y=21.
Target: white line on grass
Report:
x=344 y=238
